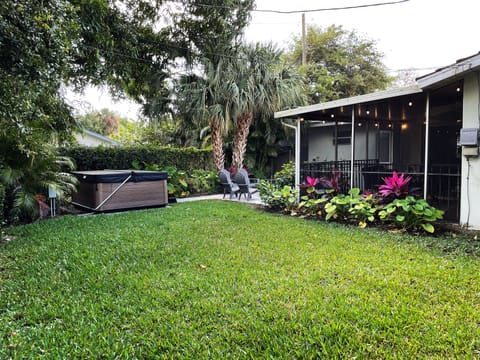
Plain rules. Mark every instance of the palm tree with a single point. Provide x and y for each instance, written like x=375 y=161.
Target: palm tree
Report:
x=262 y=84
x=208 y=100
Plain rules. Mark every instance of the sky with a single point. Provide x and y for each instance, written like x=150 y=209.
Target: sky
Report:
x=419 y=34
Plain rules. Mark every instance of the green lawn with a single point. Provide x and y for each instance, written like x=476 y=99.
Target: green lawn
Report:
x=223 y=280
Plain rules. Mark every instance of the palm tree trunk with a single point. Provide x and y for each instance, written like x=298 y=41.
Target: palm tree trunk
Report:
x=242 y=127
x=217 y=145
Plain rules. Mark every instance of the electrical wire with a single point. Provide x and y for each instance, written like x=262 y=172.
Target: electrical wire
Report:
x=299 y=11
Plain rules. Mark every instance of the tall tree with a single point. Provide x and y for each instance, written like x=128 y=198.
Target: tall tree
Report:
x=262 y=85
x=208 y=100
x=340 y=63
x=44 y=44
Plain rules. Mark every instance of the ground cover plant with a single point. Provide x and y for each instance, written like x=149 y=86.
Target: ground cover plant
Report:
x=393 y=205
x=224 y=280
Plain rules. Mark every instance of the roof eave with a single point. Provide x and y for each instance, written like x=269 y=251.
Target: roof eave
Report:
x=450 y=73
x=375 y=96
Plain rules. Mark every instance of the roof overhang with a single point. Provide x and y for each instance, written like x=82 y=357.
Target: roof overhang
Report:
x=450 y=73
x=371 y=97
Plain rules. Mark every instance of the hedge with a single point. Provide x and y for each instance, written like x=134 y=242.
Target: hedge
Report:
x=117 y=158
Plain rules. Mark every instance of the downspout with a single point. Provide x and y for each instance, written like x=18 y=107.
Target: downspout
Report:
x=352 y=155
x=427 y=128
x=297 y=150
x=336 y=140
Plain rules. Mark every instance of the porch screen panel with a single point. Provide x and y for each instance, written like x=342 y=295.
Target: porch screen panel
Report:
x=384 y=146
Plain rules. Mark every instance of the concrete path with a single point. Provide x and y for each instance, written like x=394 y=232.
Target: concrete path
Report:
x=254 y=200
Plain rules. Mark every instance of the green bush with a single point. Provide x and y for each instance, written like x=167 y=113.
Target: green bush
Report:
x=411 y=214
x=118 y=158
x=339 y=206
x=286 y=176
x=276 y=197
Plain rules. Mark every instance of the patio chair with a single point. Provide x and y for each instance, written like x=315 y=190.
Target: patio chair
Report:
x=243 y=181
x=228 y=185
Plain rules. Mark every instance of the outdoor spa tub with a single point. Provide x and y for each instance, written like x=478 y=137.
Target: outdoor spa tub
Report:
x=110 y=190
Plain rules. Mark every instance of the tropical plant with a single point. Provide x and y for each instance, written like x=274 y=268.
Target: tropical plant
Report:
x=411 y=214
x=365 y=210
x=395 y=187
x=262 y=84
x=27 y=184
x=208 y=100
x=277 y=197
x=286 y=175
x=333 y=182
x=338 y=207
x=311 y=206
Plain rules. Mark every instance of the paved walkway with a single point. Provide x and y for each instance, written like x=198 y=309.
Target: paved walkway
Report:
x=254 y=200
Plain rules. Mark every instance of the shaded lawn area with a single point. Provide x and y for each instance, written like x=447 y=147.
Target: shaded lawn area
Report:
x=223 y=280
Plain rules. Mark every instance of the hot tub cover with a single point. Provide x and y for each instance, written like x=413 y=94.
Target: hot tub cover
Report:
x=118 y=176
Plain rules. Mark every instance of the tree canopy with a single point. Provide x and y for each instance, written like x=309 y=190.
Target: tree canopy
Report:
x=340 y=63
x=130 y=45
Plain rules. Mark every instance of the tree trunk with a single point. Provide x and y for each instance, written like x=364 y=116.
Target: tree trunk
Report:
x=217 y=145
x=242 y=127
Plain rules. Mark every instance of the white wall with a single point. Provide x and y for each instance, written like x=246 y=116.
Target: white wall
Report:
x=470 y=204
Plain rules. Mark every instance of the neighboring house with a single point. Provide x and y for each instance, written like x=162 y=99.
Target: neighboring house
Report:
x=415 y=130
x=91 y=138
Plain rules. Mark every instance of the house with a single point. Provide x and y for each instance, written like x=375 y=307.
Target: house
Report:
x=91 y=139
x=429 y=131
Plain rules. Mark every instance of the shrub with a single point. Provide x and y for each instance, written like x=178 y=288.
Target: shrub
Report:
x=119 y=158
x=364 y=210
x=276 y=197
x=411 y=214
x=338 y=207
x=285 y=176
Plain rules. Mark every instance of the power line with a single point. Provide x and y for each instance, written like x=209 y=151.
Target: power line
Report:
x=300 y=11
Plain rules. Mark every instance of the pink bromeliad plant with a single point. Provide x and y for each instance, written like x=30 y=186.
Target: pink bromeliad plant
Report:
x=310 y=184
x=396 y=186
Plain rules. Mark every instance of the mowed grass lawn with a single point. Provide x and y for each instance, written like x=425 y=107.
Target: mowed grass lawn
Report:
x=224 y=280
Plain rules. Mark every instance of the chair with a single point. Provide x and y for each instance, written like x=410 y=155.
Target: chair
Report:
x=228 y=185
x=243 y=181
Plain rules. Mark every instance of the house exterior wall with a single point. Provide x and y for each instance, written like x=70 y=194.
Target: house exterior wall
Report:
x=470 y=206
x=85 y=139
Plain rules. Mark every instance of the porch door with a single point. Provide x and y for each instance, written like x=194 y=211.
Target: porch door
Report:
x=444 y=169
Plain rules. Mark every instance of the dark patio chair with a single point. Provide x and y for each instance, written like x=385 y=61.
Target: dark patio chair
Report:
x=241 y=178
x=228 y=185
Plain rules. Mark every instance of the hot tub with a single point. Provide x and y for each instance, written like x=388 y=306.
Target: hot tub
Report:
x=108 y=190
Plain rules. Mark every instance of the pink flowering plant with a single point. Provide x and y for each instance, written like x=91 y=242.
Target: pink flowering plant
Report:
x=395 y=187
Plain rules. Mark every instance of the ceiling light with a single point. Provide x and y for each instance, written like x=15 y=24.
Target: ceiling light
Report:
x=410 y=103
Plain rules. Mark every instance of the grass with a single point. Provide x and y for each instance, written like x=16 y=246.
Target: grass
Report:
x=223 y=280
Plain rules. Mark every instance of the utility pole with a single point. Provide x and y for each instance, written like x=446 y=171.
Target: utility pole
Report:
x=304 y=41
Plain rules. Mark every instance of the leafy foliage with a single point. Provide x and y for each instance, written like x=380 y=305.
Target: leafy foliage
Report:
x=340 y=64
x=285 y=176
x=395 y=187
x=118 y=158
x=104 y=122
x=276 y=197
x=411 y=214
